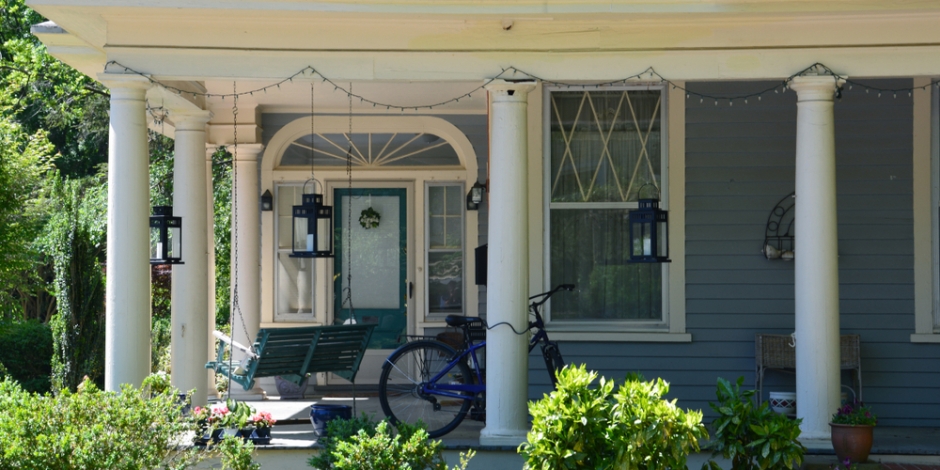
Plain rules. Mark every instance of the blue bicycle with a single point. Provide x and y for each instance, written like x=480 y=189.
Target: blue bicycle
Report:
x=429 y=381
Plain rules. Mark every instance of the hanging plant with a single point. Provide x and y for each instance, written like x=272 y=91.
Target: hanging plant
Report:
x=369 y=218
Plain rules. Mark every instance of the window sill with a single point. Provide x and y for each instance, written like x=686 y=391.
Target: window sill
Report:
x=621 y=337
x=925 y=338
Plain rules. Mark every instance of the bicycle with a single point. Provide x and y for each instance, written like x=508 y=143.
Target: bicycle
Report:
x=430 y=381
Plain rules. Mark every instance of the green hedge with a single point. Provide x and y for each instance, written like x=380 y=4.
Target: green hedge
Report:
x=27 y=353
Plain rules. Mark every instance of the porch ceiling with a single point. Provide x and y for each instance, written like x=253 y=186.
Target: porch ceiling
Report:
x=463 y=40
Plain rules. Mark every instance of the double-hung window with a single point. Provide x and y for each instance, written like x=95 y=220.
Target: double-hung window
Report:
x=606 y=150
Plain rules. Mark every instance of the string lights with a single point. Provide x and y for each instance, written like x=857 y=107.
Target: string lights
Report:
x=650 y=74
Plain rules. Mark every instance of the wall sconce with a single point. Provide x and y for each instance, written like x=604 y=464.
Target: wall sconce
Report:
x=267 y=201
x=475 y=196
x=166 y=236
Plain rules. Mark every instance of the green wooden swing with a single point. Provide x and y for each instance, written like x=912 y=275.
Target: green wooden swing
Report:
x=292 y=353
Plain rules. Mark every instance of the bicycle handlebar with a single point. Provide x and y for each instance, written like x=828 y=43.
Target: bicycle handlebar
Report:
x=547 y=295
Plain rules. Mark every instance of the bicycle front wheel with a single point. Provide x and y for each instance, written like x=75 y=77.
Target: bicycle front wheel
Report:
x=400 y=387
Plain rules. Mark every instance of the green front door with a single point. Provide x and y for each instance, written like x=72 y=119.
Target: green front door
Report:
x=371 y=262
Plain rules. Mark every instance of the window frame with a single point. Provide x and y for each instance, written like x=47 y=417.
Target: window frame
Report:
x=279 y=317
x=624 y=330
x=428 y=315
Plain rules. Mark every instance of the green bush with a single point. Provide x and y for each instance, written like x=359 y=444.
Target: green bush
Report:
x=91 y=429
x=3 y=371
x=409 y=448
x=236 y=454
x=27 y=353
x=361 y=443
x=582 y=426
x=337 y=431
x=752 y=437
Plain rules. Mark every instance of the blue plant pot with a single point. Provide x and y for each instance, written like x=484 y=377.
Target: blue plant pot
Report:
x=322 y=414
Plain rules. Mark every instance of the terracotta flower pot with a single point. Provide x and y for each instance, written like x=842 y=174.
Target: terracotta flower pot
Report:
x=851 y=442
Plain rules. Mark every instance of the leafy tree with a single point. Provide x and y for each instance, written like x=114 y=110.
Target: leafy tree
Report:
x=74 y=239
x=23 y=161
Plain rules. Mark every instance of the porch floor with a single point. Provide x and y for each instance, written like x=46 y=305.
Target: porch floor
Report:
x=896 y=448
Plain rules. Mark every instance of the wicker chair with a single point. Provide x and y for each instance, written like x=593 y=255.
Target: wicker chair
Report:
x=776 y=352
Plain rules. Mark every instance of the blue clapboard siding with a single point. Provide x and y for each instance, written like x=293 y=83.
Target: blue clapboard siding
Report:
x=740 y=161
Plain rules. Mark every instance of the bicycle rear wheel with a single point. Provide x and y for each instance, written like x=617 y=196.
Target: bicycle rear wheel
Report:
x=412 y=366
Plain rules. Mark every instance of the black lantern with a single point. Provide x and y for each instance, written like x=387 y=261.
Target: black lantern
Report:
x=313 y=228
x=475 y=196
x=166 y=236
x=649 y=233
x=267 y=201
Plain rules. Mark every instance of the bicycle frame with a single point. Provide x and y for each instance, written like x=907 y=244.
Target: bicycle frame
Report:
x=432 y=387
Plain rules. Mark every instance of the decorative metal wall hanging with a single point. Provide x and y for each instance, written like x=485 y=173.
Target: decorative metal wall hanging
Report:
x=778 y=235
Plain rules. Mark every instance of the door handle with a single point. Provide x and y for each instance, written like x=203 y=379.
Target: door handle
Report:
x=411 y=290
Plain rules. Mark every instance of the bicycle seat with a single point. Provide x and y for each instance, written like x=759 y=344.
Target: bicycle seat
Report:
x=460 y=320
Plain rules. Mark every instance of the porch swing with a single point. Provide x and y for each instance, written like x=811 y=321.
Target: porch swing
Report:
x=294 y=353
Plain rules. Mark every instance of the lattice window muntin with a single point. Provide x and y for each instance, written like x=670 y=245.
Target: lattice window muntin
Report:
x=606 y=144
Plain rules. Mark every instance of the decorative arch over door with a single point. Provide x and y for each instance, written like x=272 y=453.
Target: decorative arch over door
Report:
x=378 y=142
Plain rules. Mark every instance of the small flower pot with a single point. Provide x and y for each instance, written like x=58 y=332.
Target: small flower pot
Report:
x=783 y=403
x=261 y=436
x=850 y=442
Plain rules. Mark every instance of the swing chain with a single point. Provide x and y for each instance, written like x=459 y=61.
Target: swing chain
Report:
x=348 y=289
x=236 y=306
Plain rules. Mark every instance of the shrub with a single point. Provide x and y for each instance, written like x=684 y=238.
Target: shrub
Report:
x=91 y=429
x=361 y=443
x=340 y=430
x=582 y=426
x=752 y=437
x=27 y=353
x=409 y=448
x=236 y=454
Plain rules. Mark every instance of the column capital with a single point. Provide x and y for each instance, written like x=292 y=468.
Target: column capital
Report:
x=515 y=90
x=247 y=152
x=189 y=119
x=121 y=80
x=815 y=87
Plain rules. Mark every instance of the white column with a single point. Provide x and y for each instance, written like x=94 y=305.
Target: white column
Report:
x=816 y=269
x=246 y=252
x=508 y=267
x=127 y=289
x=210 y=240
x=190 y=286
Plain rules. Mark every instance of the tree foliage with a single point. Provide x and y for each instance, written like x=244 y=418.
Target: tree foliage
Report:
x=75 y=239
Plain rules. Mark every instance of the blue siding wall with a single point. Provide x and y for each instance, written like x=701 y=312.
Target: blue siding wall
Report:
x=739 y=163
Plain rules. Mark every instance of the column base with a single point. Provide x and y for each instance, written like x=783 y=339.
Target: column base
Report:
x=816 y=441
x=503 y=437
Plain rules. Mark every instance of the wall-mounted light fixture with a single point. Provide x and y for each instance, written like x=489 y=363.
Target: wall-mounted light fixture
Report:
x=267 y=201
x=475 y=196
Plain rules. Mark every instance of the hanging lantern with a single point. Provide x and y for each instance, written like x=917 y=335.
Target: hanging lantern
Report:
x=649 y=233
x=166 y=236
x=313 y=228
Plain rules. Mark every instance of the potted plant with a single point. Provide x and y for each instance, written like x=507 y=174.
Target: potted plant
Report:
x=750 y=436
x=157 y=383
x=208 y=422
x=852 y=427
x=263 y=422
